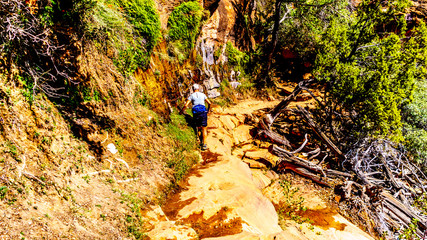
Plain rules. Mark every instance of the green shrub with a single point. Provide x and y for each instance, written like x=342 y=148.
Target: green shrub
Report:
x=127 y=31
x=3 y=191
x=236 y=58
x=184 y=142
x=142 y=97
x=410 y=232
x=134 y=221
x=415 y=127
x=293 y=206
x=142 y=14
x=416 y=143
x=178 y=130
x=368 y=67
x=184 y=24
x=415 y=113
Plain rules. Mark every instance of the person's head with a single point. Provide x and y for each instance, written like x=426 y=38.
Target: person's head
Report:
x=196 y=87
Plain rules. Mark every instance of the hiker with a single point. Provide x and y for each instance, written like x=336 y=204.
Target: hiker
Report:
x=200 y=113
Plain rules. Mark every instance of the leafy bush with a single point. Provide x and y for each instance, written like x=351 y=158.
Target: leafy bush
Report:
x=184 y=142
x=184 y=24
x=3 y=191
x=415 y=113
x=368 y=66
x=292 y=206
x=142 y=14
x=415 y=129
x=416 y=143
x=236 y=58
x=410 y=232
x=127 y=30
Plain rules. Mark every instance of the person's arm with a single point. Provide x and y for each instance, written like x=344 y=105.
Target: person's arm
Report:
x=185 y=106
x=209 y=104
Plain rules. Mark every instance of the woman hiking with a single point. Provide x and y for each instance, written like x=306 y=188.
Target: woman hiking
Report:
x=200 y=113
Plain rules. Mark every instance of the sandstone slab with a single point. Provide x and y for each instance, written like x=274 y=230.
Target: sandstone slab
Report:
x=168 y=230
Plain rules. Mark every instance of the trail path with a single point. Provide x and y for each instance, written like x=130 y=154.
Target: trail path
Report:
x=231 y=194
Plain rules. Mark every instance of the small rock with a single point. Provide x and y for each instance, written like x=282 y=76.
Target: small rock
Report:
x=112 y=148
x=235 y=84
x=213 y=93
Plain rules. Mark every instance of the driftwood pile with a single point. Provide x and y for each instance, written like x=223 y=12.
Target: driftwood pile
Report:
x=375 y=178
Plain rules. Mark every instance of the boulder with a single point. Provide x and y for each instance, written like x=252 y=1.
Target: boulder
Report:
x=213 y=93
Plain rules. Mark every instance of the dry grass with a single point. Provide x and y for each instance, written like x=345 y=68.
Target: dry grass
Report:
x=56 y=177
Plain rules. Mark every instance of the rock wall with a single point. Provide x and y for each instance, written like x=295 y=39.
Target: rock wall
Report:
x=213 y=37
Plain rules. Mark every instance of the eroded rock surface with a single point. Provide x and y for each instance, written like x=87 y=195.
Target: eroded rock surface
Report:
x=223 y=198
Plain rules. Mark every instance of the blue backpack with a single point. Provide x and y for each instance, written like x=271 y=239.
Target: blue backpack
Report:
x=199 y=109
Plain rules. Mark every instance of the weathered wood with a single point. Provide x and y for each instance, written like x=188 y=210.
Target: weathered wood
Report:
x=304 y=113
x=288 y=157
x=304 y=172
x=405 y=213
x=389 y=173
x=302 y=145
x=270 y=117
x=275 y=137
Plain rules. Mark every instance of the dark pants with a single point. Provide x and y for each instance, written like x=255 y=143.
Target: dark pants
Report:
x=200 y=119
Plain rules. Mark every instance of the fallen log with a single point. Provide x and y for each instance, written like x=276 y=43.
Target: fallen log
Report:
x=270 y=117
x=274 y=137
x=288 y=157
x=304 y=113
x=303 y=172
x=403 y=212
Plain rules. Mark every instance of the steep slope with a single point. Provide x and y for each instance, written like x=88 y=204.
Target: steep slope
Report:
x=83 y=164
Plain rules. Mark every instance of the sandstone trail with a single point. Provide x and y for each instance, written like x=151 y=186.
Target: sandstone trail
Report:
x=232 y=193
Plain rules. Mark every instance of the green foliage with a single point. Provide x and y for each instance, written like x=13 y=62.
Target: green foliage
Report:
x=415 y=127
x=370 y=75
x=218 y=52
x=178 y=130
x=415 y=113
x=135 y=220
x=291 y=201
x=13 y=150
x=236 y=58
x=421 y=203
x=184 y=24
x=416 y=143
x=184 y=142
x=364 y=57
x=292 y=204
x=410 y=232
x=142 y=97
x=142 y=14
x=128 y=29
x=3 y=192
x=90 y=94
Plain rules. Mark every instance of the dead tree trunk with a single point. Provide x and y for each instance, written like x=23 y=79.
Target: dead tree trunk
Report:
x=270 y=117
x=319 y=132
